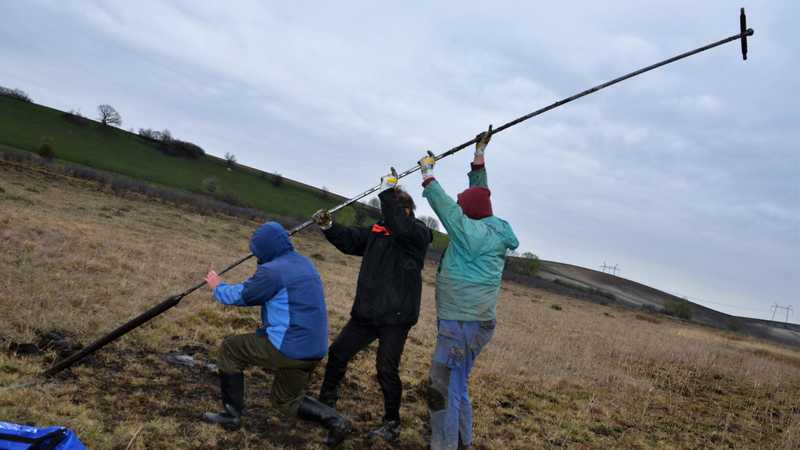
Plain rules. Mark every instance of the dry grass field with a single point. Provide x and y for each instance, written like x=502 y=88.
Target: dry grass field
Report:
x=560 y=373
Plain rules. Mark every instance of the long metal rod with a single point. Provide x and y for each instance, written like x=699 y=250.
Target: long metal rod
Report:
x=748 y=32
x=174 y=300
x=136 y=322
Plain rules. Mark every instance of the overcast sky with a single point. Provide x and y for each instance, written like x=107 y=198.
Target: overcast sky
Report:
x=687 y=178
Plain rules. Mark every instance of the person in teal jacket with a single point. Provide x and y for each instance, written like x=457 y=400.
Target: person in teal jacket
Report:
x=467 y=285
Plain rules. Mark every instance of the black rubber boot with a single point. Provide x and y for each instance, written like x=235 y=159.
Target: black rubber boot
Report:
x=389 y=431
x=232 y=389
x=338 y=426
x=329 y=397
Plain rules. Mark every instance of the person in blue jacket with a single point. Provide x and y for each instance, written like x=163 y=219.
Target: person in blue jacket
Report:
x=292 y=340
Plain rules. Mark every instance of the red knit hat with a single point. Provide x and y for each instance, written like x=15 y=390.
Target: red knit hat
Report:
x=475 y=202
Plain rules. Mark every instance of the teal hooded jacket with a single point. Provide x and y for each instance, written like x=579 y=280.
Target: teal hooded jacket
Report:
x=471 y=269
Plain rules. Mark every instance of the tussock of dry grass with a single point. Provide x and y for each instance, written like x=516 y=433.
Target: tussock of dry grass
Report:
x=588 y=376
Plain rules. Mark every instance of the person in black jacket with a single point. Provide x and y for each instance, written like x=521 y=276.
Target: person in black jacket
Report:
x=387 y=296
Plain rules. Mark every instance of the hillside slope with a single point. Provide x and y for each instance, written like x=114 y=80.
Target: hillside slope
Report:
x=27 y=126
x=633 y=294
x=559 y=373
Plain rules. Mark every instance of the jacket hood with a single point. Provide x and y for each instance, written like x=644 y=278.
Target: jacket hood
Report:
x=475 y=202
x=503 y=231
x=509 y=238
x=270 y=241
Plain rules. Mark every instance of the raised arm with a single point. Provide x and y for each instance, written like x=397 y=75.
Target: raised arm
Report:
x=447 y=210
x=349 y=240
x=477 y=174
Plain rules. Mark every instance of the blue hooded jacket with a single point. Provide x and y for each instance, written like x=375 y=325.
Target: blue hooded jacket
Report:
x=288 y=288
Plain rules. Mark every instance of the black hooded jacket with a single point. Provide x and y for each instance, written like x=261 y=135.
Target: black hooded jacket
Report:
x=390 y=279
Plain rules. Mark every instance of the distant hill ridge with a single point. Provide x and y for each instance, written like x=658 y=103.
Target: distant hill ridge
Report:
x=637 y=295
x=27 y=126
x=76 y=139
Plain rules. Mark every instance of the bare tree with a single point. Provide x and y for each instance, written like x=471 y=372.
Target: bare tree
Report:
x=15 y=93
x=230 y=160
x=375 y=202
x=430 y=222
x=109 y=115
x=148 y=133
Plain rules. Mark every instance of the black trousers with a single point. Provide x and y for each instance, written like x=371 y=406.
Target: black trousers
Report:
x=353 y=338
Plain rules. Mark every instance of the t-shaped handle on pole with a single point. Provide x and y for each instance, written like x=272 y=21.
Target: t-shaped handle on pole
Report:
x=745 y=32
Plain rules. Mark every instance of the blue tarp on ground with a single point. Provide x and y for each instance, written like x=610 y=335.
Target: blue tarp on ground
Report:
x=23 y=437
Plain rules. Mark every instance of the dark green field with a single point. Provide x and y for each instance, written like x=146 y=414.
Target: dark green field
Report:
x=27 y=126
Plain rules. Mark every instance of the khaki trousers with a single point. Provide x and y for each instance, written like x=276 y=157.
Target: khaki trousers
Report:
x=291 y=375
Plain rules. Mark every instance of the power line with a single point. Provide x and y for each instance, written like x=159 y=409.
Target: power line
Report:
x=607 y=268
x=776 y=307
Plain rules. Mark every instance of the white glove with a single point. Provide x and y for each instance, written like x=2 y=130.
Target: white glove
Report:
x=323 y=219
x=426 y=165
x=483 y=141
x=389 y=181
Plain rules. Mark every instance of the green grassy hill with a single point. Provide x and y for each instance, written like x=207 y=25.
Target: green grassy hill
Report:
x=27 y=126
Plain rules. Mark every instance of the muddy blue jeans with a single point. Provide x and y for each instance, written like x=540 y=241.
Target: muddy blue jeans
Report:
x=458 y=344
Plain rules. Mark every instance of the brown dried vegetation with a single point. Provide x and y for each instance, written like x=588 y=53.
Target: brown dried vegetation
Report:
x=81 y=260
